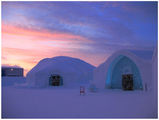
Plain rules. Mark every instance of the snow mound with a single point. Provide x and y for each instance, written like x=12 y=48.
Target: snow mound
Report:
x=72 y=70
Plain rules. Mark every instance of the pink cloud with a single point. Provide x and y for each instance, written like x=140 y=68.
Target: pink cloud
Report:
x=41 y=34
x=26 y=47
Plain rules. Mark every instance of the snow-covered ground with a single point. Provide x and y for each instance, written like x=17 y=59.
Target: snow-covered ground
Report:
x=60 y=102
x=11 y=81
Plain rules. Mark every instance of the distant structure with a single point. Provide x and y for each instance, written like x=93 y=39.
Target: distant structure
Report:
x=125 y=69
x=12 y=71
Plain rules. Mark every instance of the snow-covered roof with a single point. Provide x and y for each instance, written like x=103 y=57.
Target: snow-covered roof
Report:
x=143 y=54
x=8 y=66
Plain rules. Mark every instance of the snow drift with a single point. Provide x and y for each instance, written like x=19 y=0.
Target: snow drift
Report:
x=73 y=71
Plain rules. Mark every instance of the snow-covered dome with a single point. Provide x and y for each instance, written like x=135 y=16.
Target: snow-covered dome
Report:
x=135 y=64
x=60 y=70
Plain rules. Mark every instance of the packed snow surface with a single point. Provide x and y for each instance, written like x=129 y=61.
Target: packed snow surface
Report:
x=61 y=102
x=11 y=81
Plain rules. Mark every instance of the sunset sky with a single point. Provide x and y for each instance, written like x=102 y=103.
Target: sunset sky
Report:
x=91 y=31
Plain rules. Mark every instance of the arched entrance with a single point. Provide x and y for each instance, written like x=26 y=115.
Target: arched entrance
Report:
x=55 y=80
x=123 y=74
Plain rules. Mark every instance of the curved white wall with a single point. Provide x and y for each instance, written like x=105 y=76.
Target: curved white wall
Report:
x=144 y=66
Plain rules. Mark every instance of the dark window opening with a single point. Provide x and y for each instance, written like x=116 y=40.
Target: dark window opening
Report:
x=127 y=82
x=55 y=80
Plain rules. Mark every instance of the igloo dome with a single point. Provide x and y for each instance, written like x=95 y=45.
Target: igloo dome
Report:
x=125 y=69
x=59 y=71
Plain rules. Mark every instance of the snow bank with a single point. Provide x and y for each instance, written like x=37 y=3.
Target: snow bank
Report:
x=67 y=103
x=12 y=81
x=73 y=71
